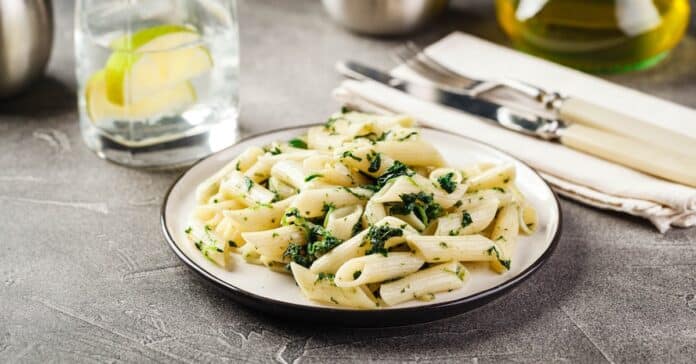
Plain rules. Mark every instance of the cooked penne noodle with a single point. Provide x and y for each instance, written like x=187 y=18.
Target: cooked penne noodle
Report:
x=498 y=177
x=342 y=221
x=505 y=230
x=468 y=222
x=376 y=268
x=351 y=248
x=290 y=172
x=411 y=152
x=273 y=243
x=311 y=203
x=467 y=248
x=259 y=217
x=324 y=290
x=211 y=185
x=438 y=278
x=246 y=190
x=209 y=245
x=281 y=189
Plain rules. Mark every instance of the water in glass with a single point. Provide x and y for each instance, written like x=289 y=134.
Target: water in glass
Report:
x=158 y=79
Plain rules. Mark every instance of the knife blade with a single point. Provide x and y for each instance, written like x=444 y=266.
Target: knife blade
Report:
x=616 y=148
x=498 y=114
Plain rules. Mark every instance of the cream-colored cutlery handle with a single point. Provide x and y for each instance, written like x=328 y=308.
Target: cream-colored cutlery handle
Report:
x=583 y=112
x=631 y=153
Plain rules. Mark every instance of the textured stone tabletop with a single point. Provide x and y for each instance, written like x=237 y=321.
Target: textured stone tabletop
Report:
x=85 y=275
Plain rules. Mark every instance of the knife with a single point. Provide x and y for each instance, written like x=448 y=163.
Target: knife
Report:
x=635 y=154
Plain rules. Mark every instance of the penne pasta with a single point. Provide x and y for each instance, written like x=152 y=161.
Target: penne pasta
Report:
x=376 y=268
x=505 y=230
x=498 y=176
x=273 y=243
x=211 y=185
x=342 y=221
x=468 y=222
x=438 y=278
x=244 y=189
x=360 y=205
x=467 y=248
x=321 y=288
x=311 y=203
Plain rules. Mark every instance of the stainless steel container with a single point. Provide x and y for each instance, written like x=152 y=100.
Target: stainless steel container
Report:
x=26 y=36
x=383 y=17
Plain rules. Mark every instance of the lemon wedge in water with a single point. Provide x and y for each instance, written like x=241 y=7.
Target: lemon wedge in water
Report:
x=99 y=107
x=152 y=60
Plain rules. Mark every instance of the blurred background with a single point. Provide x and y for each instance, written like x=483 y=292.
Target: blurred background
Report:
x=283 y=41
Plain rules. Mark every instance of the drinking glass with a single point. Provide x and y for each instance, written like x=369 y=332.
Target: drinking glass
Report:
x=158 y=79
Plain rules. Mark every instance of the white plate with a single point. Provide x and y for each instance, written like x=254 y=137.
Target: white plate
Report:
x=277 y=293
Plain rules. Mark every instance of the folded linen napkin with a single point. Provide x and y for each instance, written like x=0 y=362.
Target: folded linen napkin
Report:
x=571 y=173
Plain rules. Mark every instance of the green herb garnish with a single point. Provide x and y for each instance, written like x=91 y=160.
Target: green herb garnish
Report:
x=319 y=240
x=408 y=136
x=325 y=276
x=446 y=182
x=466 y=219
x=297 y=143
x=313 y=176
x=349 y=154
x=378 y=235
x=419 y=203
x=395 y=170
x=375 y=161
x=248 y=183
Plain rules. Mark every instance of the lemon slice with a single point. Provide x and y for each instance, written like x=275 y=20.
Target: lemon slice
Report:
x=170 y=100
x=152 y=60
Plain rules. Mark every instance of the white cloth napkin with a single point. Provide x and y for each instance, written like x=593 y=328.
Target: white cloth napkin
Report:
x=573 y=174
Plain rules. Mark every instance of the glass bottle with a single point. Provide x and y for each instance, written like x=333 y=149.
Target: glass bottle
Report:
x=596 y=35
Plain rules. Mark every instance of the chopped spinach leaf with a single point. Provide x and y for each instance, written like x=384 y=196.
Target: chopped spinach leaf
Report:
x=325 y=276
x=395 y=170
x=375 y=161
x=446 y=182
x=378 y=235
x=466 y=219
x=297 y=143
x=419 y=203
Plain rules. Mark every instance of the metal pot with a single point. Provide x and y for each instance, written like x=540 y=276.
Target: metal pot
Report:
x=26 y=36
x=383 y=17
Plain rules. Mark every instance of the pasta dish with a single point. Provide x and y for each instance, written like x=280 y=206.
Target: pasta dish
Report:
x=362 y=212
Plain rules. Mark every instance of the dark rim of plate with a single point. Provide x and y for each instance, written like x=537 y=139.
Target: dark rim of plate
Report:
x=472 y=301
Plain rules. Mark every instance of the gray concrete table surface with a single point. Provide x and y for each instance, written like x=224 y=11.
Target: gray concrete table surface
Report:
x=85 y=275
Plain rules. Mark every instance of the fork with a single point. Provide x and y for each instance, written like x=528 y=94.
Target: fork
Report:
x=543 y=103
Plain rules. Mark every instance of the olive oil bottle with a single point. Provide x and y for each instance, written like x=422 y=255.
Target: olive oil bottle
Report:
x=596 y=35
